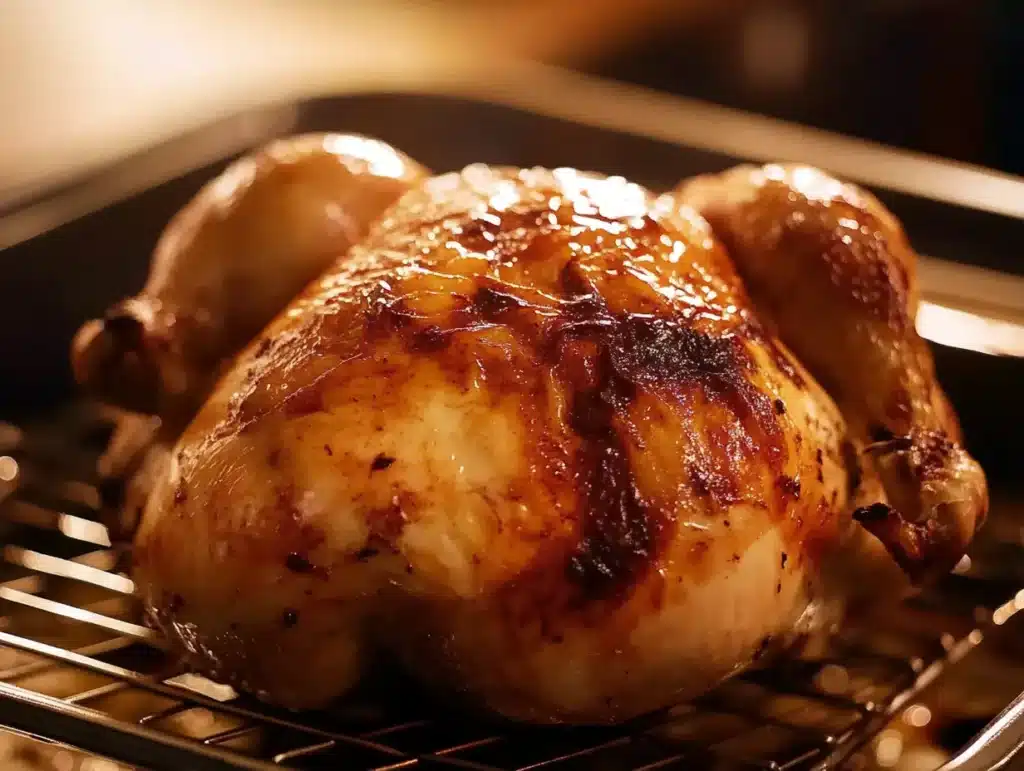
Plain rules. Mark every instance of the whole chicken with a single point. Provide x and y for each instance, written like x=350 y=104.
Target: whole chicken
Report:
x=532 y=438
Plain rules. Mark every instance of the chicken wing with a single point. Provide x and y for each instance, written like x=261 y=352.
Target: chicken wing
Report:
x=531 y=438
x=230 y=260
x=831 y=269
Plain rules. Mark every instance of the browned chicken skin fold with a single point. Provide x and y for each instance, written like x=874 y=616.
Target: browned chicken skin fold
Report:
x=831 y=269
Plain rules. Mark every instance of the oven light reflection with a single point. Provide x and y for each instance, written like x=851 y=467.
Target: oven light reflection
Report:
x=960 y=329
x=888 y=749
x=8 y=468
x=83 y=530
x=204 y=687
x=1005 y=612
x=917 y=716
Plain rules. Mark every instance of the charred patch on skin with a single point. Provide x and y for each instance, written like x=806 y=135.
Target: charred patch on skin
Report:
x=289 y=618
x=175 y=602
x=274 y=457
x=618 y=535
x=386 y=524
x=492 y=301
x=381 y=462
x=762 y=647
x=607 y=359
x=880 y=433
x=430 y=339
x=180 y=493
x=851 y=463
x=366 y=553
x=789 y=486
x=305 y=401
x=300 y=564
x=297 y=563
x=876 y=512
x=263 y=348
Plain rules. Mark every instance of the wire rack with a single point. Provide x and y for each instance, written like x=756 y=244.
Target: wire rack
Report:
x=76 y=666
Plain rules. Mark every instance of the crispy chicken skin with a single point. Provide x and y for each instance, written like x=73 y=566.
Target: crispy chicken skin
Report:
x=230 y=260
x=832 y=271
x=531 y=438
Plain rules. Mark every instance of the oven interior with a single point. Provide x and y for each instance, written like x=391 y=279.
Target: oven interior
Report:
x=77 y=668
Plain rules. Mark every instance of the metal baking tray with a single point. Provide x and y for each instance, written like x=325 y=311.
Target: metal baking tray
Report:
x=77 y=668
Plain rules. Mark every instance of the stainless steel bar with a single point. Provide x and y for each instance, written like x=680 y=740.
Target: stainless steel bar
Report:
x=880 y=717
x=174 y=709
x=181 y=694
x=96 y=732
x=25 y=513
x=79 y=614
x=998 y=743
x=302 y=752
x=97 y=649
x=95 y=693
x=231 y=733
x=56 y=566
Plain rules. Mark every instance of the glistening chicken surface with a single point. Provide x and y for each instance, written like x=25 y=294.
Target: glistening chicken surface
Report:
x=532 y=438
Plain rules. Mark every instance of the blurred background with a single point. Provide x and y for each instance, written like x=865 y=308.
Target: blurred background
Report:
x=84 y=80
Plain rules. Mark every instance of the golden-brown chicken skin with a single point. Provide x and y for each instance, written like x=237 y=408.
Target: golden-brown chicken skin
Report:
x=531 y=438
x=830 y=268
x=230 y=260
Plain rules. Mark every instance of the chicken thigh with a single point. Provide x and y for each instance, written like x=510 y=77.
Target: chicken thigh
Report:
x=532 y=439
x=832 y=271
x=230 y=260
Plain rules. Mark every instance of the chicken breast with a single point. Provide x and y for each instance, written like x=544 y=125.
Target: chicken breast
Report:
x=531 y=438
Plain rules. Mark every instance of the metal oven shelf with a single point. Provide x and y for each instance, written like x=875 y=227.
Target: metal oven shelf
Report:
x=75 y=667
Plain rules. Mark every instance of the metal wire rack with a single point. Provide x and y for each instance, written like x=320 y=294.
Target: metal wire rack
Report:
x=77 y=667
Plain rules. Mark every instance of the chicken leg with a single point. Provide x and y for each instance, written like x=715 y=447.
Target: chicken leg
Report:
x=230 y=260
x=832 y=270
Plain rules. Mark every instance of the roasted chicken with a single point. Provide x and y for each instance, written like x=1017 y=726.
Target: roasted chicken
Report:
x=532 y=438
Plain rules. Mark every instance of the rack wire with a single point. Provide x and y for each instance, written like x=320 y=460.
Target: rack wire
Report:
x=76 y=666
